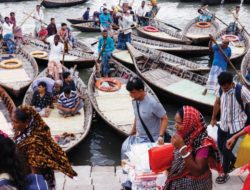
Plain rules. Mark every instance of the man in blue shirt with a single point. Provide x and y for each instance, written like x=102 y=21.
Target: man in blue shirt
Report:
x=105 y=20
x=105 y=48
x=85 y=16
x=204 y=17
x=219 y=64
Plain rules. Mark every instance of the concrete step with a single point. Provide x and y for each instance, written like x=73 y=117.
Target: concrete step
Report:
x=107 y=187
x=103 y=169
x=104 y=179
x=82 y=171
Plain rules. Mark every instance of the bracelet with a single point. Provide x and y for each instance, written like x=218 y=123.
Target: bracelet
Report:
x=185 y=156
x=181 y=149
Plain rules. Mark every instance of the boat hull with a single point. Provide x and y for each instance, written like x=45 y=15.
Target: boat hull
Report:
x=51 y=4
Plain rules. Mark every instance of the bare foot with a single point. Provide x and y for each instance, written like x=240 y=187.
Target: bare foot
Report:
x=67 y=115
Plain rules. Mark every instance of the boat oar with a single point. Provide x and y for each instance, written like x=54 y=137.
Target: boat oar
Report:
x=170 y=25
x=123 y=30
x=214 y=16
x=94 y=43
x=229 y=61
x=239 y=23
x=35 y=18
x=29 y=15
x=99 y=57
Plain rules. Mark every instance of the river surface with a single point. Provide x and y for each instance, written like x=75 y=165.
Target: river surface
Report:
x=102 y=145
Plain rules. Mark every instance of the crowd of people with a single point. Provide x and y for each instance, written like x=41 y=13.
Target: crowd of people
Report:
x=34 y=155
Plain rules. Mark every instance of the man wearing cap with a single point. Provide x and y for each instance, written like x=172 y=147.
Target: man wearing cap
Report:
x=38 y=16
x=219 y=64
x=105 y=20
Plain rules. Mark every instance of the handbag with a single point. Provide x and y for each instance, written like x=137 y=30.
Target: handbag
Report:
x=167 y=137
x=161 y=157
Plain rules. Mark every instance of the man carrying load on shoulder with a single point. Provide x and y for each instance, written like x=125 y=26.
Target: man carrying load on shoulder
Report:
x=219 y=64
x=105 y=48
x=231 y=101
x=125 y=31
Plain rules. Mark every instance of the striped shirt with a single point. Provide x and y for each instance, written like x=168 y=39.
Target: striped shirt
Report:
x=233 y=118
x=68 y=102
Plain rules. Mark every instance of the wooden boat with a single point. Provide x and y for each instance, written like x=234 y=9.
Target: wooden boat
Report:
x=245 y=64
x=183 y=87
x=200 y=35
x=231 y=1
x=11 y=1
x=171 y=59
x=17 y=80
x=239 y=47
x=61 y=3
x=77 y=56
x=124 y=57
x=7 y=106
x=164 y=34
x=175 y=49
x=78 y=20
x=211 y=2
x=87 y=27
x=115 y=108
x=246 y=1
x=79 y=125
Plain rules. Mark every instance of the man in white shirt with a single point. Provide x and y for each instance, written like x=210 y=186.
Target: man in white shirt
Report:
x=125 y=24
x=38 y=16
x=54 y=64
x=141 y=13
x=7 y=27
x=8 y=35
x=236 y=13
x=231 y=102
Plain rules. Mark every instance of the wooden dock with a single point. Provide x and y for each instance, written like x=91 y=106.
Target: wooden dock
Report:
x=111 y=177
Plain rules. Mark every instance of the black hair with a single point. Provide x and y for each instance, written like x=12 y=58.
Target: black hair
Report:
x=67 y=90
x=21 y=115
x=66 y=75
x=134 y=83
x=12 y=13
x=237 y=6
x=52 y=19
x=180 y=111
x=5 y=18
x=63 y=24
x=43 y=84
x=225 y=78
x=88 y=8
x=10 y=162
x=104 y=30
x=57 y=36
x=104 y=9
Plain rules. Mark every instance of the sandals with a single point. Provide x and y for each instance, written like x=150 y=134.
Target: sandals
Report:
x=222 y=179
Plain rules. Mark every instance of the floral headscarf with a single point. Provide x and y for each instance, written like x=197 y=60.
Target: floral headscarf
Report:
x=39 y=148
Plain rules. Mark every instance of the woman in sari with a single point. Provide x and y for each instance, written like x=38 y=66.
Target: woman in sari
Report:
x=34 y=141
x=195 y=153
